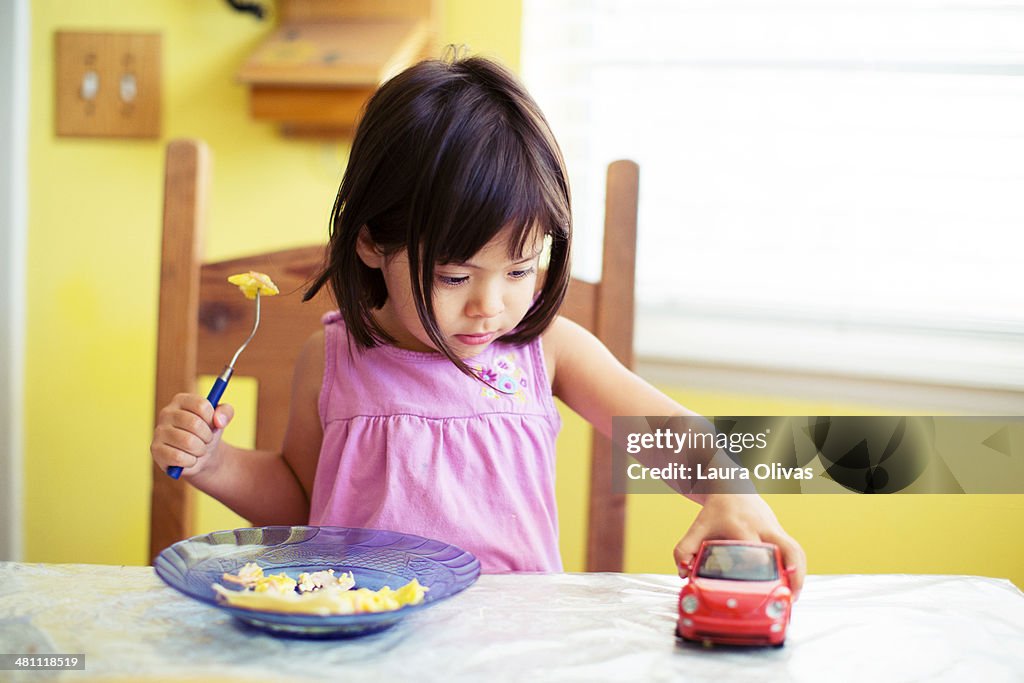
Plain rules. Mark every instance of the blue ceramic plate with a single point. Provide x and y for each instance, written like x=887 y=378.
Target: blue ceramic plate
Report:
x=375 y=558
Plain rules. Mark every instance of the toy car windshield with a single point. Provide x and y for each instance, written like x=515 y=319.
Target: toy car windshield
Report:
x=738 y=563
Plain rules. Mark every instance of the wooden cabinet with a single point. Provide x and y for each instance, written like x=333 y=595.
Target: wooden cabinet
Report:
x=314 y=73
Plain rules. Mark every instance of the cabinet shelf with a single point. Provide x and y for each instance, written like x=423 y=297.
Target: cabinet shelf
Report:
x=313 y=76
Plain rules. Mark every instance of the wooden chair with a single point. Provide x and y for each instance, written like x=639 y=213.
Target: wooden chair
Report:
x=202 y=322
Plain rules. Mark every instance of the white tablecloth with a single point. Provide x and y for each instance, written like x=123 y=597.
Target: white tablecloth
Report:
x=559 y=627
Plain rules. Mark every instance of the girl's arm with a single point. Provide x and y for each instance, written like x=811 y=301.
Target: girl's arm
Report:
x=268 y=487
x=590 y=380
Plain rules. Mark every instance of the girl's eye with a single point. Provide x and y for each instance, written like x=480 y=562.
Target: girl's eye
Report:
x=520 y=274
x=452 y=281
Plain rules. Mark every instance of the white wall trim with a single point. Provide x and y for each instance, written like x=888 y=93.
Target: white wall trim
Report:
x=15 y=39
x=887 y=395
x=889 y=353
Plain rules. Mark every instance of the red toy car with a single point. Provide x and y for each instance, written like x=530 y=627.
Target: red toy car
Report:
x=737 y=593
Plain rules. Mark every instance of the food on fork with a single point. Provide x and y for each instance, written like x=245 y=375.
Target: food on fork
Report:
x=253 y=282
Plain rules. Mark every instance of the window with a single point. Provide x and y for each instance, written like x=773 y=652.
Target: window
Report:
x=826 y=185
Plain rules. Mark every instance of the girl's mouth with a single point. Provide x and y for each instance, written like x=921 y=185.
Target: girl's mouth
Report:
x=475 y=339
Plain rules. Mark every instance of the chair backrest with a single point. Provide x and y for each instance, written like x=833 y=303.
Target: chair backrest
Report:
x=202 y=322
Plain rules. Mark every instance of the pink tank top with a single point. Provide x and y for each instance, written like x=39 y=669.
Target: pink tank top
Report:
x=414 y=445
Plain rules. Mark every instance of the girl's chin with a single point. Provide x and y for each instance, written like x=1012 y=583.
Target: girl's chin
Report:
x=462 y=345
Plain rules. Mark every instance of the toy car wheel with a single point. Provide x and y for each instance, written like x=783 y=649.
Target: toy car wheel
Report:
x=683 y=638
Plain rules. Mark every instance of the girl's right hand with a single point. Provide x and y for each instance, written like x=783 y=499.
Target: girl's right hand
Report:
x=188 y=432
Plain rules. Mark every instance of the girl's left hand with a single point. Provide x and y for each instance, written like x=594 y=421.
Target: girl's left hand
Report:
x=741 y=517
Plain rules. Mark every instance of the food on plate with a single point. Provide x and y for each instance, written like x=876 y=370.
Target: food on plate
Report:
x=322 y=593
x=251 y=577
x=253 y=282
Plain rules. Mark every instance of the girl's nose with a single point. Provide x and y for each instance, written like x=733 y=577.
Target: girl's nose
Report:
x=486 y=303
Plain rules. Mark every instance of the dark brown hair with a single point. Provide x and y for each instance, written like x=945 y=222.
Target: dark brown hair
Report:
x=447 y=154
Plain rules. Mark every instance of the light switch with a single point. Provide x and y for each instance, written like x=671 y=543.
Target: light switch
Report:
x=108 y=84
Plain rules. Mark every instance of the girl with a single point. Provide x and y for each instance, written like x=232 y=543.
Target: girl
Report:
x=425 y=404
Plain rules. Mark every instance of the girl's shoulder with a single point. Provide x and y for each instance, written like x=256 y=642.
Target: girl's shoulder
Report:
x=309 y=367
x=565 y=343
x=315 y=342
x=589 y=379
x=564 y=333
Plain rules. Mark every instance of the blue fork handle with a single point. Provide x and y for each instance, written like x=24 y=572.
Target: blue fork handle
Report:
x=173 y=471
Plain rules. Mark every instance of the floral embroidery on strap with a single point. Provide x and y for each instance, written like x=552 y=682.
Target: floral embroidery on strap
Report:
x=504 y=378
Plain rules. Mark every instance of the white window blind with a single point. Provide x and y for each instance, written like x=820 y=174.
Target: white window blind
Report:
x=831 y=186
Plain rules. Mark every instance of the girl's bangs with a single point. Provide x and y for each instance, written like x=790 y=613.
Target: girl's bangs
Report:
x=501 y=186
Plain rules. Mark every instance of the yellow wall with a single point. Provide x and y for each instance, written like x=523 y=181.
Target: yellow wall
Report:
x=94 y=225
x=94 y=246
x=846 y=534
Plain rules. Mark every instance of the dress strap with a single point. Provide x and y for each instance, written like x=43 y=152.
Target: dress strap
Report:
x=331 y=317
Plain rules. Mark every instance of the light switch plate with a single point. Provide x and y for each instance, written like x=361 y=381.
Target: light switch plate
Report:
x=108 y=84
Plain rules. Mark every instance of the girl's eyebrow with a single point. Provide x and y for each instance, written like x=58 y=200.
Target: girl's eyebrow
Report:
x=467 y=264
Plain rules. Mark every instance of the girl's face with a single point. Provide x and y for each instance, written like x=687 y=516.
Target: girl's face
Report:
x=475 y=303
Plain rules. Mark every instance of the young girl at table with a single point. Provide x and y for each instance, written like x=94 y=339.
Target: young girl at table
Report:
x=426 y=404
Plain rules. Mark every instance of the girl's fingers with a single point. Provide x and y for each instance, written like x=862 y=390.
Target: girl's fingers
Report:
x=194 y=403
x=166 y=455
x=222 y=416
x=173 y=439
x=185 y=430
x=192 y=424
x=707 y=527
x=795 y=559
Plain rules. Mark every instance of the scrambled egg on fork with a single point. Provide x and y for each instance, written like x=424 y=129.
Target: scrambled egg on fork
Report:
x=320 y=593
x=253 y=282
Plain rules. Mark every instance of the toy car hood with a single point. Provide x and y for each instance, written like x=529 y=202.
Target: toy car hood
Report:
x=748 y=596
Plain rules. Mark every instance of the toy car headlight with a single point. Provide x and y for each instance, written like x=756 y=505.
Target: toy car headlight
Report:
x=776 y=608
x=690 y=603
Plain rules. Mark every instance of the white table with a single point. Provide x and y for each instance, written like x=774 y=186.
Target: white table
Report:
x=558 y=627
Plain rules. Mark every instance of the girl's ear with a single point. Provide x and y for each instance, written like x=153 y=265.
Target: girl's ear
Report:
x=369 y=253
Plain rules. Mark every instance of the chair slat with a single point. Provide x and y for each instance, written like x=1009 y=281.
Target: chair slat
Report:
x=186 y=178
x=614 y=310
